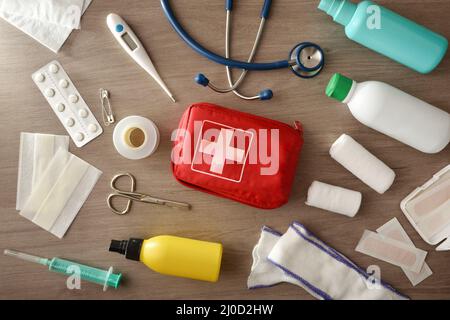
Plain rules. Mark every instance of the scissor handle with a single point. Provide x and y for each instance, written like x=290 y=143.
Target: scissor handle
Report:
x=113 y=208
x=118 y=176
x=130 y=195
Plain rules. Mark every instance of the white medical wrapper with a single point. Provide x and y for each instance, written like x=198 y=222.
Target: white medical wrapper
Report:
x=60 y=193
x=394 y=230
x=66 y=13
x=50 y=35
x=311 y=264
x=364 y=165
x=36 y=152
x=334 y=199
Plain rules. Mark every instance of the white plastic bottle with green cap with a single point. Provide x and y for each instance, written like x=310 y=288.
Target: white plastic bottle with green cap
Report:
x=393 y=112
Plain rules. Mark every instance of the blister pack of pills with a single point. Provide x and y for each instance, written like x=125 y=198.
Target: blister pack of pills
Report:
x=67 y=103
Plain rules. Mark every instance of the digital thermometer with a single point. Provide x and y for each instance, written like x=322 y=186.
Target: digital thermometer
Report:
x=131 y=44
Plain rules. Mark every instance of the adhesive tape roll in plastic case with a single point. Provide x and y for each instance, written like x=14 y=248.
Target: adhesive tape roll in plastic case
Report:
x=136 y=137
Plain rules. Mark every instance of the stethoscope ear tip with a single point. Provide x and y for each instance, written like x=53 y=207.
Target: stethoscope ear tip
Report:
x=266 y=94
x=201 y=79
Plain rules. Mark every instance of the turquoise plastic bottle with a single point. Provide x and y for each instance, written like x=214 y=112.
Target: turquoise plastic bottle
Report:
x=388 y=33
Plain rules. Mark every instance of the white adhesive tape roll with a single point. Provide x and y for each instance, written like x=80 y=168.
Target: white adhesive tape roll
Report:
x=136 y=137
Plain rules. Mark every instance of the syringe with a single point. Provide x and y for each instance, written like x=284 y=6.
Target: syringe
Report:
x=103 y=277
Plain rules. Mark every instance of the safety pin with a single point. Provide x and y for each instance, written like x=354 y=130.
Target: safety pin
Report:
x=107 y=114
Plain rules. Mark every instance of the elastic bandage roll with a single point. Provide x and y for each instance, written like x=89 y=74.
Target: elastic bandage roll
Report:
x=363 y=164
x=335 y=199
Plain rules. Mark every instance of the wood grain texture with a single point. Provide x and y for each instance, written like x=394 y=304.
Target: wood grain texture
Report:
x=93 y=60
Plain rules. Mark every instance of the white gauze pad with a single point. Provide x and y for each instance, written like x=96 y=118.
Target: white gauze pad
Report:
x=48 y=34
x=392 y=251
x=65 y=13
x=394 y=230
x=60 y=193
x=364 y=165
x=335 y=199
x=36 y=152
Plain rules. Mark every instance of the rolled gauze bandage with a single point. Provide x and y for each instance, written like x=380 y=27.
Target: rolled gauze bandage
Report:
x=335 y=199
x=364 y=165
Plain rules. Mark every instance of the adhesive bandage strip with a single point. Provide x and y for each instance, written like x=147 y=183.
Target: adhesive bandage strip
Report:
x=392 y=251
x=364 y=165
x=333 y=198
x=67 y=103
x=36 y=152
x=60 y=193
x=431 y=210
x=322 y=271
x=428 y=209
x=394 y=230
x=436 y=221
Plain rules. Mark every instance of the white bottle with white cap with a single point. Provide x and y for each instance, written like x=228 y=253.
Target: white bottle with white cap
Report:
x=394 y=113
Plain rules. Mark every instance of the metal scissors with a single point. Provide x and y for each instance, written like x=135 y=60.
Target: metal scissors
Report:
x=132 y=195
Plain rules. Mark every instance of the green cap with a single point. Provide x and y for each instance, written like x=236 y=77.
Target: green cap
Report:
x=339 y=87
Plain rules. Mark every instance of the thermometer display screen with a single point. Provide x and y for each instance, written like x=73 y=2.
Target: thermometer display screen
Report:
x=129 y=41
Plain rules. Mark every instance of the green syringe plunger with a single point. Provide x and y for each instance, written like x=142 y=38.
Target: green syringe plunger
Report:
x=103 y=277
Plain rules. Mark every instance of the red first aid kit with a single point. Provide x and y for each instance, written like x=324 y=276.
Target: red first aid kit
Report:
x=236 y=155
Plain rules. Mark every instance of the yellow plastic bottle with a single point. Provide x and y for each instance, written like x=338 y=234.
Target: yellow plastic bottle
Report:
x=175 y=256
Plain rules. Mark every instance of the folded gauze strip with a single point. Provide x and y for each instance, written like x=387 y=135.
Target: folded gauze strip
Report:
x=364 y=165
x=306 y=261
x=60 y=193
x=392 y=251
x=394 y=230
x=334 y=199
x=36 y=152
x=66 y=13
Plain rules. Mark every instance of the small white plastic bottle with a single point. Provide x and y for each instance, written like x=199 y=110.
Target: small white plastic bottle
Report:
x=393 y=112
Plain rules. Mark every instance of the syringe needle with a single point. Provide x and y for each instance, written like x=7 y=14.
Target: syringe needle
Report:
x=25 y=256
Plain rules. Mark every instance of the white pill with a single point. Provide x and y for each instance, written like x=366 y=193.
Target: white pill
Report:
x=70 y=122
x=53 y=68
x=73 y=98
x=49 y=92
x=61 y=107
x=79 y=136
x=92 y=127
x=83 y=113
x=63 y=83
x=39 y=77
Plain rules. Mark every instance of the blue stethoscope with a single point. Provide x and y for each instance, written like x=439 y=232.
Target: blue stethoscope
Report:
x=306 y=59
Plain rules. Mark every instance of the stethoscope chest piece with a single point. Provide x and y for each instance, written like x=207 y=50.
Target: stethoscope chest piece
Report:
x=306 y=60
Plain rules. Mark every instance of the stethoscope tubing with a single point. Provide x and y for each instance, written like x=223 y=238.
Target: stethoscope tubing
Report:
x=215 y=57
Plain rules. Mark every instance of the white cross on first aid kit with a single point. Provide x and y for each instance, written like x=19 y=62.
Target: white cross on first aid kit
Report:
x=219 y=147
x=222 y=150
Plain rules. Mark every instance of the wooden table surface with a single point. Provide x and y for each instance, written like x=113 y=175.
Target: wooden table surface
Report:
x=93 y=60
